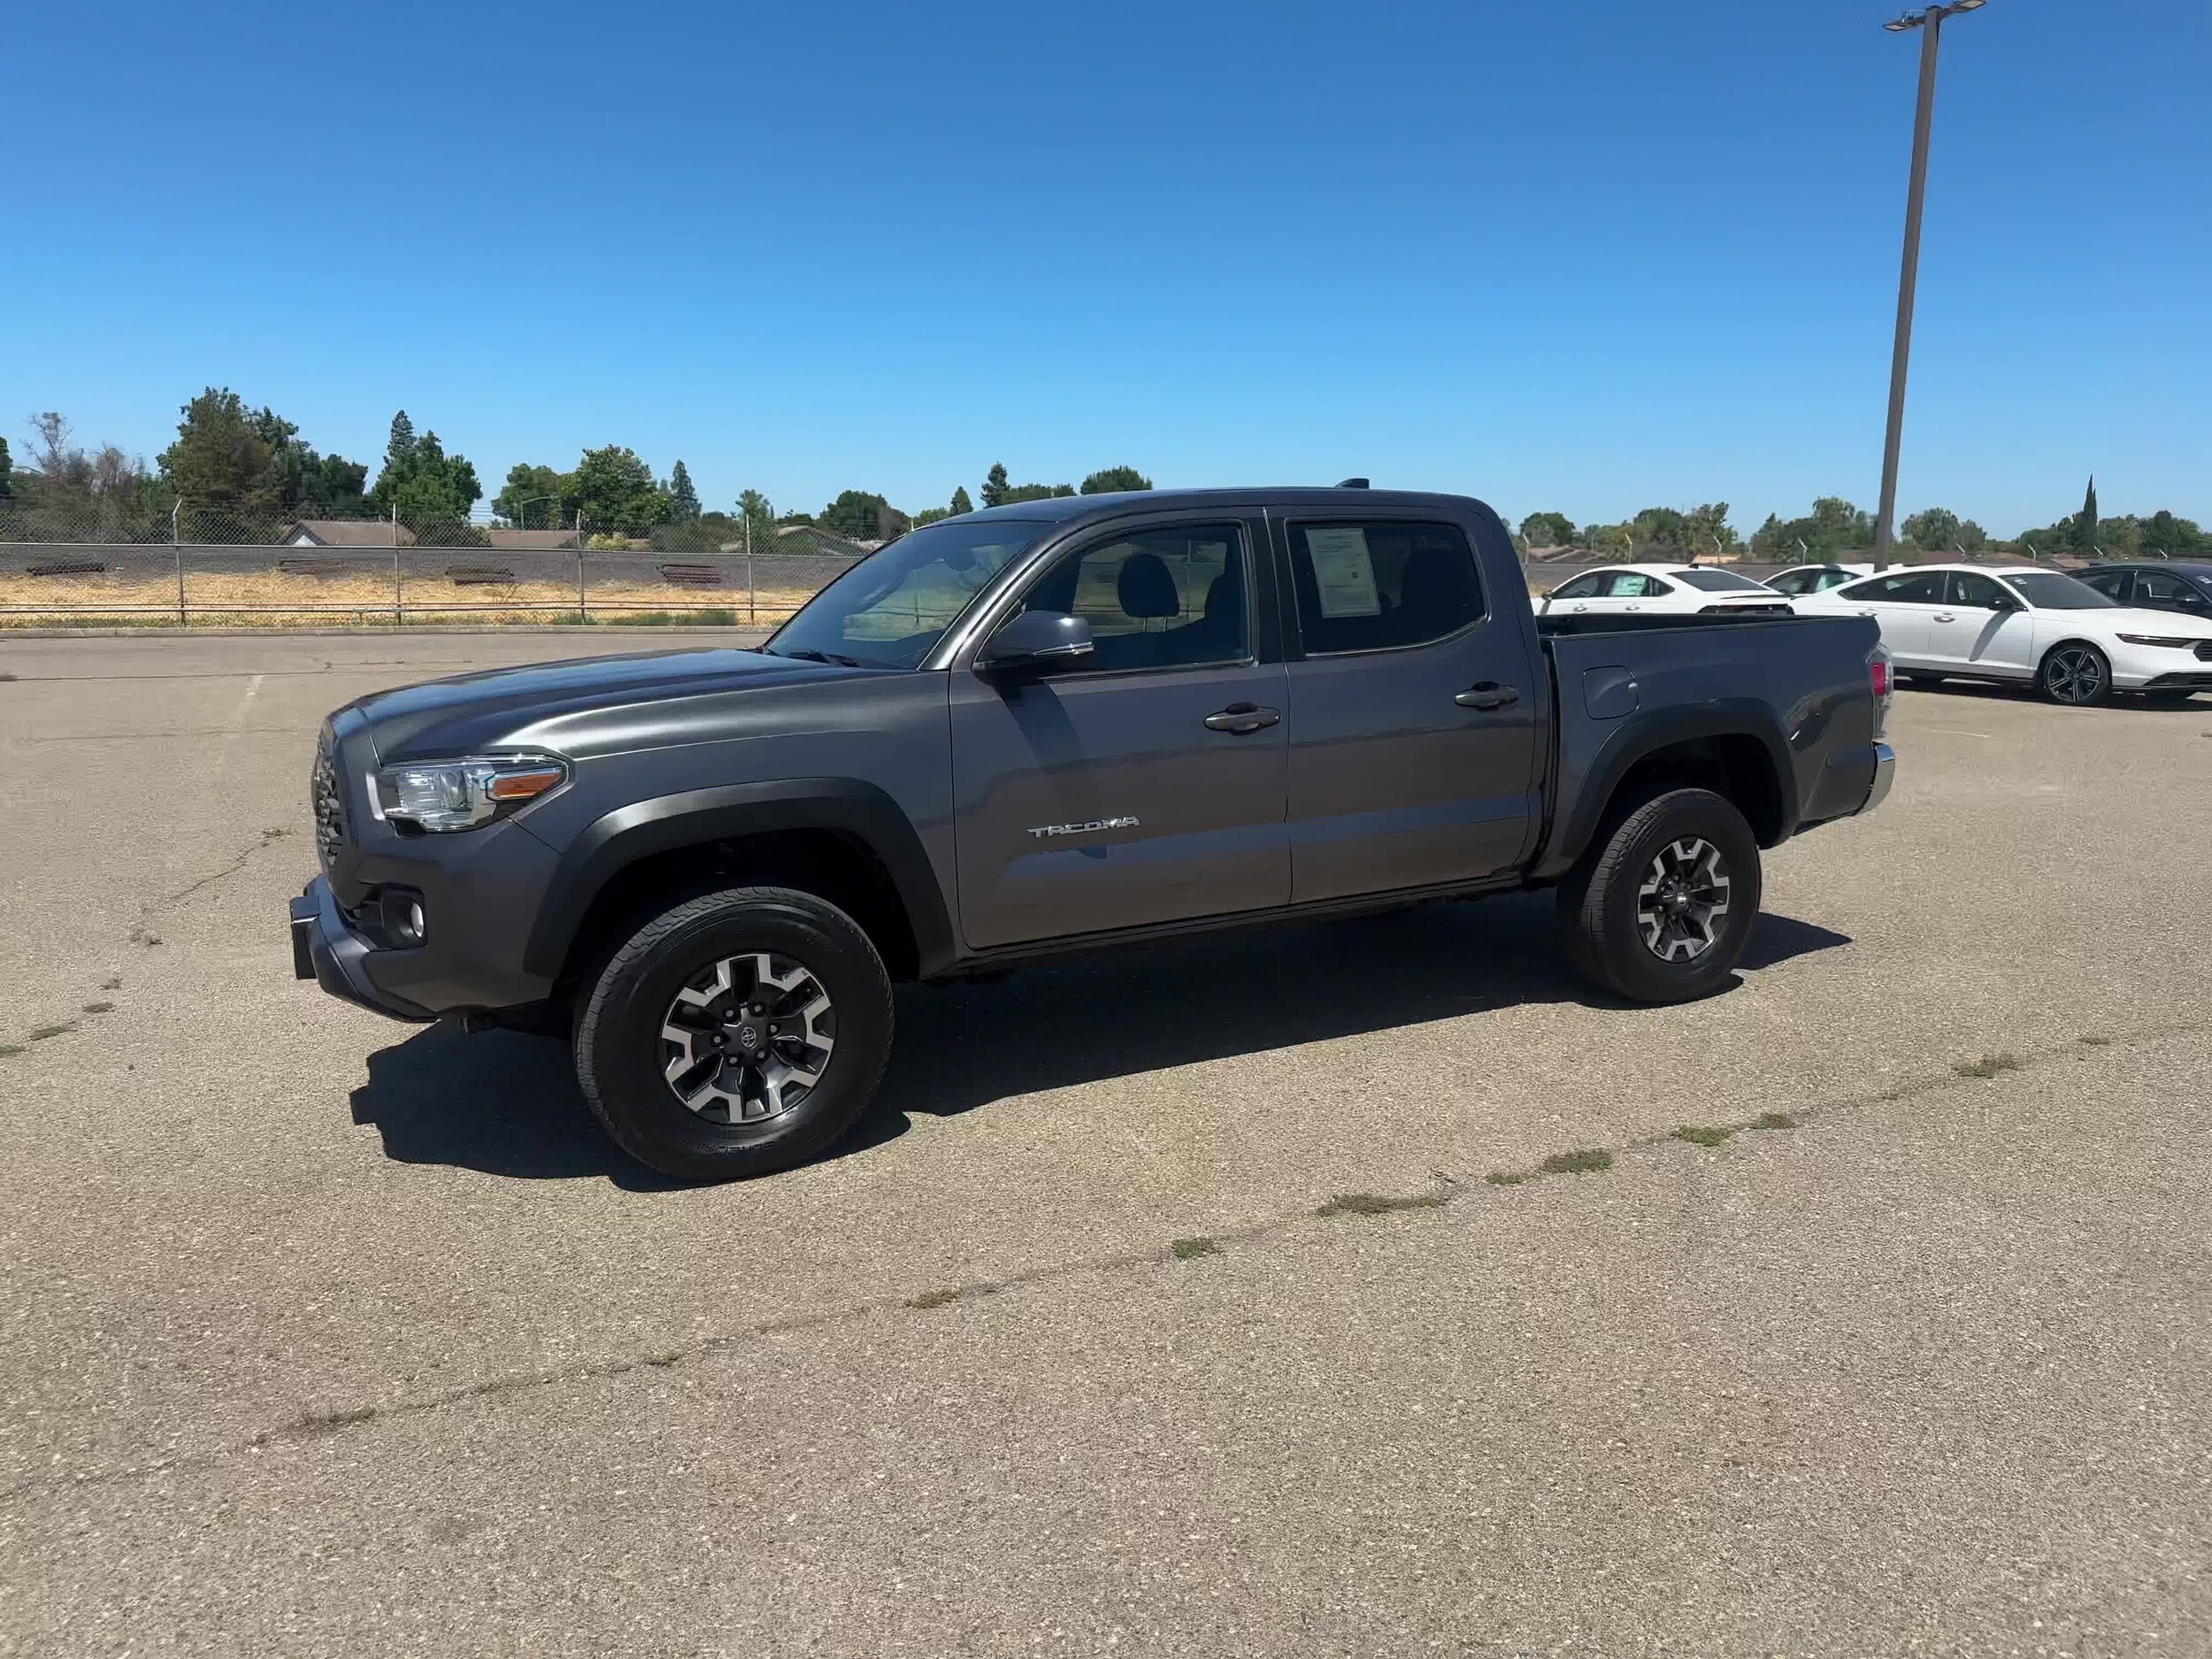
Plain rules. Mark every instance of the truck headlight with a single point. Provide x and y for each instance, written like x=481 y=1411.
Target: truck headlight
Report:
x=459 y=795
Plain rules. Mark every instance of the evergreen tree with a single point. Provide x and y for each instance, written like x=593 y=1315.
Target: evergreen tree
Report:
x=994 y=486
x=683 y=500
x=7 y=467
x=2085 y=521
x=960 y=502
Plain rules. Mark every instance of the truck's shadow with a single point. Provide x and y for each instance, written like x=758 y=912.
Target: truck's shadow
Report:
x=509 y=1105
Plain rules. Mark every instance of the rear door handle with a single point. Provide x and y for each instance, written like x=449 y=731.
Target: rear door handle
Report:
x=1243 y=719
x=1488 y=694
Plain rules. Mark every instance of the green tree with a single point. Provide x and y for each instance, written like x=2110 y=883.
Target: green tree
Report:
x=1115 y=477
x=1037 y=492
x=994 y=484
x=2085 y=521
x=860 y=515
x=683 y=500
x=222 y=453
x=420 y=480
x=1932 y=529
x=536 y=496
x=2175 y=537
x=960 y=502
x=1548 y=529
x=615 y=490
x=7 y=473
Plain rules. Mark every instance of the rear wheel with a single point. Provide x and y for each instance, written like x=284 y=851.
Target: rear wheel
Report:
x=2075 y=673
x=1662 y=910
x=735 y=1034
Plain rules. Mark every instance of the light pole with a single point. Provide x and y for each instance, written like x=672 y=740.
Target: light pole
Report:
x=1930 y=20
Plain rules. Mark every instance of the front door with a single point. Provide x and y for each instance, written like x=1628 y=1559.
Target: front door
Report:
x=1145 y=784
x=1413 y=711
x=1976 y=631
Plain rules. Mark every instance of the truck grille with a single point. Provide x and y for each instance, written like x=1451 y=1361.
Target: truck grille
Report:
x=327 y=802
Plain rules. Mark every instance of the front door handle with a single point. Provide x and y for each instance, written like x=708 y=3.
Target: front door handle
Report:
x=1945 y=616
x=1488 y=694
x=1243 y=719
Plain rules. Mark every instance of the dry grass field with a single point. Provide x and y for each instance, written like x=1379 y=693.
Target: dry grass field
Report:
x=358 y=597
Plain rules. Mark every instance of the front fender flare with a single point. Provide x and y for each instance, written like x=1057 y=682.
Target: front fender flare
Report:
x=695 y=818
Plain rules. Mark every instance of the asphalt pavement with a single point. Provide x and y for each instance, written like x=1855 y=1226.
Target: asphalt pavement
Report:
x=320 y=1333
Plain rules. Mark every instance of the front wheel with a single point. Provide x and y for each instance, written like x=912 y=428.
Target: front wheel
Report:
x=2076 y=674
x=1663 y=911
x=736 y=1034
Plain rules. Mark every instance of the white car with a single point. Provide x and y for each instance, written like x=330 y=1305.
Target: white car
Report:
x=1814 y=579
x=2028 y=627
x=1663 y=590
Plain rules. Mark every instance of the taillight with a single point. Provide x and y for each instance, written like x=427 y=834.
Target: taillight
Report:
x=1877 y=671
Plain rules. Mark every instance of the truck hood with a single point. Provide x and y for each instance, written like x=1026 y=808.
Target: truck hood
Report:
x=505 y=707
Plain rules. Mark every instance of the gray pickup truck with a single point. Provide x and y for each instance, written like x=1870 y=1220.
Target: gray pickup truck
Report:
x=1047 y=728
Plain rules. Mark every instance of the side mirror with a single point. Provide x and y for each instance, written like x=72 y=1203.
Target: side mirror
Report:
x=2003 y=603
x=1036 y=640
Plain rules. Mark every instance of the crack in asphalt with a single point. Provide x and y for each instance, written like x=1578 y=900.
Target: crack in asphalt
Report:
x=149 y=908
x=312 y=1425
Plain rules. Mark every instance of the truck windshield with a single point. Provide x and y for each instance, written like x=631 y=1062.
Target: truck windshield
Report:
x=2048 y=590
x=887 y=610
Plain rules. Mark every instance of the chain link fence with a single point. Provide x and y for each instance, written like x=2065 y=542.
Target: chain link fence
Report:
x=91 y=567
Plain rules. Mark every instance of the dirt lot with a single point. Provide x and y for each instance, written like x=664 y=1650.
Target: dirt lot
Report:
x=320 y=1333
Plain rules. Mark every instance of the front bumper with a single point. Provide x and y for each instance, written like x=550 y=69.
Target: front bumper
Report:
x=328 y=951
x=1884 y=775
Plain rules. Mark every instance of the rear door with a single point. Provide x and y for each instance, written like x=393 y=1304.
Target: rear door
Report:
x=1146 y=784
x=1903 y=604
x=1413 y=707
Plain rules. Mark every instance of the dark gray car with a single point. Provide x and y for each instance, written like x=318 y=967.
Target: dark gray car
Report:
x=1047 y=728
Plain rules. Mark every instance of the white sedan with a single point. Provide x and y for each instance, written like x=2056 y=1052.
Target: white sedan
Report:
x=1812 y=579
x=2025 y=626
x=1663 y=590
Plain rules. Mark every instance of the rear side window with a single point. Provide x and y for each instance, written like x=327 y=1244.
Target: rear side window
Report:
x=1636 y=585
x=1720 y=582
x=2109 y=583
x=1373 y=587
x=1908 y=587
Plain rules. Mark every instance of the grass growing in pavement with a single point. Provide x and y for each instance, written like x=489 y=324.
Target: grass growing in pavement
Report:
x=2095 y=1042
x=99 y=1008
x=932 y=1298
x=1583 y=1161
x=8 y=1048
x=1774 y=1120
x=1504 y=1178
x=1376 y=1204
x=43 y=1032
x=1987 y=1065
x=1702 y=1136
x=1187 y=1248
x=113 y=982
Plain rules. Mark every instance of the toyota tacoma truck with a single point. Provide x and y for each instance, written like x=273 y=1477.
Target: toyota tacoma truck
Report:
x=1047 y=728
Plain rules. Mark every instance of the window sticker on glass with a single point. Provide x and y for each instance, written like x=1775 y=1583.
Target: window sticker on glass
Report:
x=1343 y=570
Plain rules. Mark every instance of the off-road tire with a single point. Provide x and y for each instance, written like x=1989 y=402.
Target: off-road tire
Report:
x=1598 y=904
x=620 y=1052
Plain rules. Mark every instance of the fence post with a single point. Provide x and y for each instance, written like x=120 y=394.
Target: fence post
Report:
x=176 y=544
x=752 y=613
x=398 y=619
x=581 y=614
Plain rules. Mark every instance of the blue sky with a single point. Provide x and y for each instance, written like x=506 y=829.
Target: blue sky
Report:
x=1593 y=255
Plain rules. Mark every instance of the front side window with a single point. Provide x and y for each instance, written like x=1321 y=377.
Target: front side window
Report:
x=887 y=610
x=2169 y=593
x=1797 y=582
x=1975 y=593
x=1378 y=585
x=1908 y=587
x=1581 y=587
x=1158 y=598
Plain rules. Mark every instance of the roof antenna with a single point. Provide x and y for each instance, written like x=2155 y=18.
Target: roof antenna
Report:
x=1353 y=483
